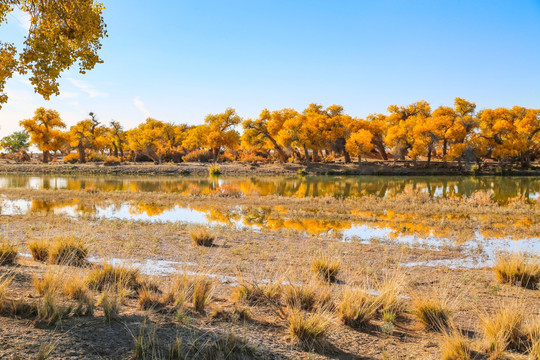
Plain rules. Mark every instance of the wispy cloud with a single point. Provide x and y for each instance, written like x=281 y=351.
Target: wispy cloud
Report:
x=22 y=18
x=84 y=87
x=68 y=95
x=140 y=105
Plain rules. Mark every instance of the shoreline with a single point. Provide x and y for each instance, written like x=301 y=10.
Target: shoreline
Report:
x=185 y=169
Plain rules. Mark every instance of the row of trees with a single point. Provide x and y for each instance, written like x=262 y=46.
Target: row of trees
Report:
x=458 y=133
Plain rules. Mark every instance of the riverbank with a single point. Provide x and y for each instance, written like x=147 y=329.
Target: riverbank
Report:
x=237 y=168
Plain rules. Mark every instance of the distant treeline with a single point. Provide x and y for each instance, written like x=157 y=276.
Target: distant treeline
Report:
x=412 y=132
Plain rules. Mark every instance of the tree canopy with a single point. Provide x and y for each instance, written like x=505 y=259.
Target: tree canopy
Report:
x=410 y=132
x=61 y=33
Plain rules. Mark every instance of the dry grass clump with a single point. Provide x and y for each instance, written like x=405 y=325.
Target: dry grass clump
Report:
x=109 y=275
x=50 y=311
x=434 y=313
x=45 y=350
x=67 y=251
x=180 y=291
x=390 y=293
x=39 y=250
x=518 y=269
x=5 y=281
x=202 y=292
x=533 y=332
x=307 y=296
x=77 y=289
x=356 y=308
x=149 y=299
x=110 y=301
x=454 y=346
x=201 y=236
x=51 y=282
x=235 y=314
x=256 y=293
x=503 y=330
x=308 y=329
x=325 y=268
x=229 y=346
x=8 y=253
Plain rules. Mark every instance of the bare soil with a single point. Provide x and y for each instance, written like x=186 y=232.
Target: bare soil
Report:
x=238 y=168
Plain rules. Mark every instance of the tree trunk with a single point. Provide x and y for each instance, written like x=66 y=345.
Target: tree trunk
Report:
x=281 y=154
x=347 y=156
x=429 y=156
x=45 y=156
x=306 y=153
x=115 y=150
x=381 y=150
x=359 y=160
x=215 y=154
x=82 y=157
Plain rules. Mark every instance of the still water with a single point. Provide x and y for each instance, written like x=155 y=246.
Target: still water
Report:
x=402 y=228
x=500 y=188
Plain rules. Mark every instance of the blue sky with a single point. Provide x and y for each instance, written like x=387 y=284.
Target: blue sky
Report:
x=180 y=60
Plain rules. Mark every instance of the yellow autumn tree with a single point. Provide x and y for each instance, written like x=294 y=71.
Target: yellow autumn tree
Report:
x=359 y=143
x=155 y=139
x=195 y=137
x=116 y=138
x=221 y=132
x=61 y=34
x=498 y=136
x=44 y=129
x=377 y=125
x=80 y=136
x=262 y=133
x=401 y=122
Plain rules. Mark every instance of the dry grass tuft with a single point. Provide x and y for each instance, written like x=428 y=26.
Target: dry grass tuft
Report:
x=325 y=268
x=110 y=301
x=434 y=313
x=149 y=299
x=108 y=275
x=5 y=281
x=307 y=296
x=180 y=291
x=256 y=293
x=308 y=329
x=45 y=350
x=503 y=330
x=518 y=269
x=533 y=332
x=51 y=282
x=8 y=253
x=357 y=308
x=229 y=346
x=202 y=292
x=77 y=289
x=390 y=293
x=49 y=310
x=454 y=346
x=67 y=251
x=39 y=250
x=201 y=236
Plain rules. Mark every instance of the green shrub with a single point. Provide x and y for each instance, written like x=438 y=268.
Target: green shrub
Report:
x=214 y=171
